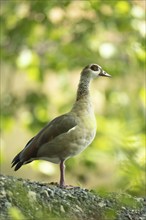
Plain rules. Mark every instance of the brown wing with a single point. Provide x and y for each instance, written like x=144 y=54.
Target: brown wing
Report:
x=58 y=126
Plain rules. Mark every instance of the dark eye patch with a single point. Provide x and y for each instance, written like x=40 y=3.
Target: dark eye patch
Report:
x=94 y=67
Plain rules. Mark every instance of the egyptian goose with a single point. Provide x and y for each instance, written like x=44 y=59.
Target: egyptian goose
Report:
x=68 y=134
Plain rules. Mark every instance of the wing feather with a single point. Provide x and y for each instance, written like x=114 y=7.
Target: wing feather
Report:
x=56 y=127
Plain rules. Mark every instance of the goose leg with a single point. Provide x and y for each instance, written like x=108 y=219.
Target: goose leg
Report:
x=62 y=174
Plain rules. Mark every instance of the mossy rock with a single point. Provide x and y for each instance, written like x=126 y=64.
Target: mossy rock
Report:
x=22 y=200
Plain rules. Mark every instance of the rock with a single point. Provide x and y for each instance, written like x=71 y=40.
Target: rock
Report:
x=24 y=199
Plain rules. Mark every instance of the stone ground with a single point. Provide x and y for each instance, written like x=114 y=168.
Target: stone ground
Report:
x=26 y=200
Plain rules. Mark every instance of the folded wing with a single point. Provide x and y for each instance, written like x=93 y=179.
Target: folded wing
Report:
x=56 y=127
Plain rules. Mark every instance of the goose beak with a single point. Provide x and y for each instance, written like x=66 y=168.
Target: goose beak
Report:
x=103 y=73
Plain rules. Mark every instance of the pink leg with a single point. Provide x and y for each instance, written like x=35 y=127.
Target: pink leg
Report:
x=62 y=174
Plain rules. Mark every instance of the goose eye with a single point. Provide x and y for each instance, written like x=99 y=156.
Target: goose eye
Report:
x=94 y=68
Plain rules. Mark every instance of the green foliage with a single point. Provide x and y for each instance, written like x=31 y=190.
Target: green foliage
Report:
x=41 y=41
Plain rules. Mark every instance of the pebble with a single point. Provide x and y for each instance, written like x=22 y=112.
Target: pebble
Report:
x=73 y=203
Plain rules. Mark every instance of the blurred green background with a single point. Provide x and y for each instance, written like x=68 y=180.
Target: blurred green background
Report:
x=44 y=46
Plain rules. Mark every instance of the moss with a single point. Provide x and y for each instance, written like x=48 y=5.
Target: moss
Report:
x=34 y=200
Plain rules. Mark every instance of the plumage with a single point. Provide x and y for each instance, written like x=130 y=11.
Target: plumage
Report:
x=68 y=134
